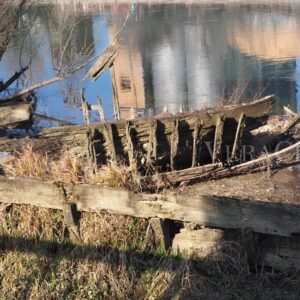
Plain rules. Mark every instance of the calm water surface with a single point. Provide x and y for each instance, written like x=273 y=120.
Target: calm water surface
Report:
x=188 y=56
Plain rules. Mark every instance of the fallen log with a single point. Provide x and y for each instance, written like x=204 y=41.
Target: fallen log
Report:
x=210 y=211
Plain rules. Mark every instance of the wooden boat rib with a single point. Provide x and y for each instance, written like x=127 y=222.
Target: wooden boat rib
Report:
x=161 y=143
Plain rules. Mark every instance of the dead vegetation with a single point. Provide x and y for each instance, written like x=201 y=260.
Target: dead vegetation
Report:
x=114 y=258
x=68 y=169
x=39 y=262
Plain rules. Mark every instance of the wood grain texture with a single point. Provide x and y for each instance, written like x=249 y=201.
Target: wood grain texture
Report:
x=210 y=211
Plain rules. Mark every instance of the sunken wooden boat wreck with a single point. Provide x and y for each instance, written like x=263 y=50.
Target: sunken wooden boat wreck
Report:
x=165 y=149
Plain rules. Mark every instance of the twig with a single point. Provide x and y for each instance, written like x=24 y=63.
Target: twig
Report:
x=46 y=82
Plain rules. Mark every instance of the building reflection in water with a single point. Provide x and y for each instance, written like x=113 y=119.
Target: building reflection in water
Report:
x=194 y=58
x=127 y=71
x=179 y=55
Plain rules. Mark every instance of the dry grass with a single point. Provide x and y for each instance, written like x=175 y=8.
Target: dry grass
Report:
x=68 y=169
x=113 y=260
x=38 y=261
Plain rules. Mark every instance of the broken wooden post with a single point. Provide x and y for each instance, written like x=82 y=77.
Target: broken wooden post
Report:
x=91 y=152
x=100 y=109
x=174 y=143
x=197 y=139
x=71 y=221
x=85 y=110
x=161 y=232
x=218 y=139
x=104 y=61
x=133 y=113
x=109 y=139
x=130 y=148
x=71 y=218
x=152 y=144
x=115 y=94
x=238 y=136
x=289 y=111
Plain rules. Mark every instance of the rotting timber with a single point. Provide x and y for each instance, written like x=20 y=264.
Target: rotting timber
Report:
x=121 y=140
x=162 y=143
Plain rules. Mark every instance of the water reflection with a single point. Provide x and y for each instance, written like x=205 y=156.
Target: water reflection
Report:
x=188 y=55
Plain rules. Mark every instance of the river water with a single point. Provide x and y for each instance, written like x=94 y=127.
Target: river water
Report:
x=186 y=56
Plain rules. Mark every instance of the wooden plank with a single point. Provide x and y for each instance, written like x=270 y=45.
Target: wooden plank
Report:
x=174 y=143
x=30 y=191
x=85 y=110
x=211 y=211
x=197 y=139
x=172 y=178
x=115 y=94
x=238 y=136
x=91 y=151
x=289 y=111
x=218 y=139
x=152 y=144
x=286 y=157
x=109 y=138
x=100 y=110
x=130 y=147
x=104 y=61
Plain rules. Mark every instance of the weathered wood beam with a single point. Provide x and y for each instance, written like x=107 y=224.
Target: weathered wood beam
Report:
x=280 y=159
x=109 y=139
x=218 y=139
x=104 y=61
x=152 y=144
x=115 y=94
x=197 y=139
x=100 y=110
x=238 y=136
x=210 y=211
x=174 y=143
x=130 y=147
x=85 y=110
x=91 y=152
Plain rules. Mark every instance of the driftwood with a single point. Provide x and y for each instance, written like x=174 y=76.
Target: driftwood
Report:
x=15 y=114
x=209 y=211
x=161 y=147
x=104 y=61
